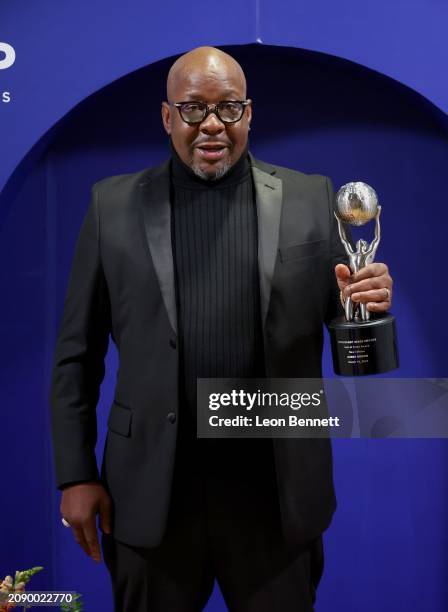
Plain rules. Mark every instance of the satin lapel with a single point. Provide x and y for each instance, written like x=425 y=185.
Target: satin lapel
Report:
x=155 y=199
x=268 y=194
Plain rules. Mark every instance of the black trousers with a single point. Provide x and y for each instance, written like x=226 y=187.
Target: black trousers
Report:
x=223 y=524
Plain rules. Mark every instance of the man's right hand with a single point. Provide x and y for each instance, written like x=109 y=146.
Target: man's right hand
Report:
x=80 y=503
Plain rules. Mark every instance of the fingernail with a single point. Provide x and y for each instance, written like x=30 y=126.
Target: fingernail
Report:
x=355 y=297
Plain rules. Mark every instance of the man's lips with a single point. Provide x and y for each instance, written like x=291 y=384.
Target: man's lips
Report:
x=211 y=146
x=211 y=151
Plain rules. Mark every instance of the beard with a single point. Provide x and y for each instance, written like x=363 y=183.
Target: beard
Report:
x=207 y=176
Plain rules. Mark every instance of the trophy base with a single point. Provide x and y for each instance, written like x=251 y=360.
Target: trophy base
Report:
x=361 y=348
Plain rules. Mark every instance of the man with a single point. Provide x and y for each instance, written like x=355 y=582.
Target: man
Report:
x=213 y=264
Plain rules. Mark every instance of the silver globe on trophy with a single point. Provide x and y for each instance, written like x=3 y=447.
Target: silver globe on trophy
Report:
x=361 y=344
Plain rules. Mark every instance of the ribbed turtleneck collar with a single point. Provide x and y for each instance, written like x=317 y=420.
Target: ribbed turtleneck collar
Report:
x=184 y=176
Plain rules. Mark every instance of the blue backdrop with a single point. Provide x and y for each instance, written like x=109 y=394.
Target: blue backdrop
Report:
x=86 y=89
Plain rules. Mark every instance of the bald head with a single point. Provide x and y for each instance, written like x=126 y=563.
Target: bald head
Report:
x=209 y=62
x=207 y=76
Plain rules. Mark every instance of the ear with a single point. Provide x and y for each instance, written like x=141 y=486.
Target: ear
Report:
x=249 y=112
x=166 y=117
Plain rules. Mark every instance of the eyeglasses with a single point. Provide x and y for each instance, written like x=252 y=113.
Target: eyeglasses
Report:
x=228 y=111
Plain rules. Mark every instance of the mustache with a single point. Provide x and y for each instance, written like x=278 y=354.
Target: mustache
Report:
x=216 y=141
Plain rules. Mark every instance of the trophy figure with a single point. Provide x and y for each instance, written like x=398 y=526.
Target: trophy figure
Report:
x=360 y=343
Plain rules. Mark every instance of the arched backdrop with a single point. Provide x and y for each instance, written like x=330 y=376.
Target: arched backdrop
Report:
x=387 y=546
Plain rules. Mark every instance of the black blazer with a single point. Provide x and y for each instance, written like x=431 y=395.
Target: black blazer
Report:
x=122 y=283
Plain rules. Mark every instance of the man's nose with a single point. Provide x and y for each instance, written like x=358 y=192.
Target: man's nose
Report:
x=212 y=124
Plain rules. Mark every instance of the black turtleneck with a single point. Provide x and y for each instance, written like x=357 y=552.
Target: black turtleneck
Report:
x=215 y=245
x=185 y=177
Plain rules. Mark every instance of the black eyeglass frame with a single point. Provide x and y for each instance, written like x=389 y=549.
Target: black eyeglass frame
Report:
x=210 y=108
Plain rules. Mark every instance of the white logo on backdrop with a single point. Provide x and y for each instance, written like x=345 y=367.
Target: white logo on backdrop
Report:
x=7 y=61
x=10 y=56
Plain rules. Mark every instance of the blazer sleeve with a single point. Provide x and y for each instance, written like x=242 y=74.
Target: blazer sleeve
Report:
x=78 y=367
x=338 y=255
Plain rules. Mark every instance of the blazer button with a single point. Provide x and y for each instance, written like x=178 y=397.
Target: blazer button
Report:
x=171 y=417
x=173 y=343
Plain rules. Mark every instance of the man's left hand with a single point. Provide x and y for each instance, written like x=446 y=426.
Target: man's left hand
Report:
x=372 y=285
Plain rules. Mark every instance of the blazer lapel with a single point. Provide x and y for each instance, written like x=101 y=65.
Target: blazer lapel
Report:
x=155 y=194
x=269 y=195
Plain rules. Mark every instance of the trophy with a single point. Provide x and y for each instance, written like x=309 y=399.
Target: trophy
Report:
x=361 y=344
